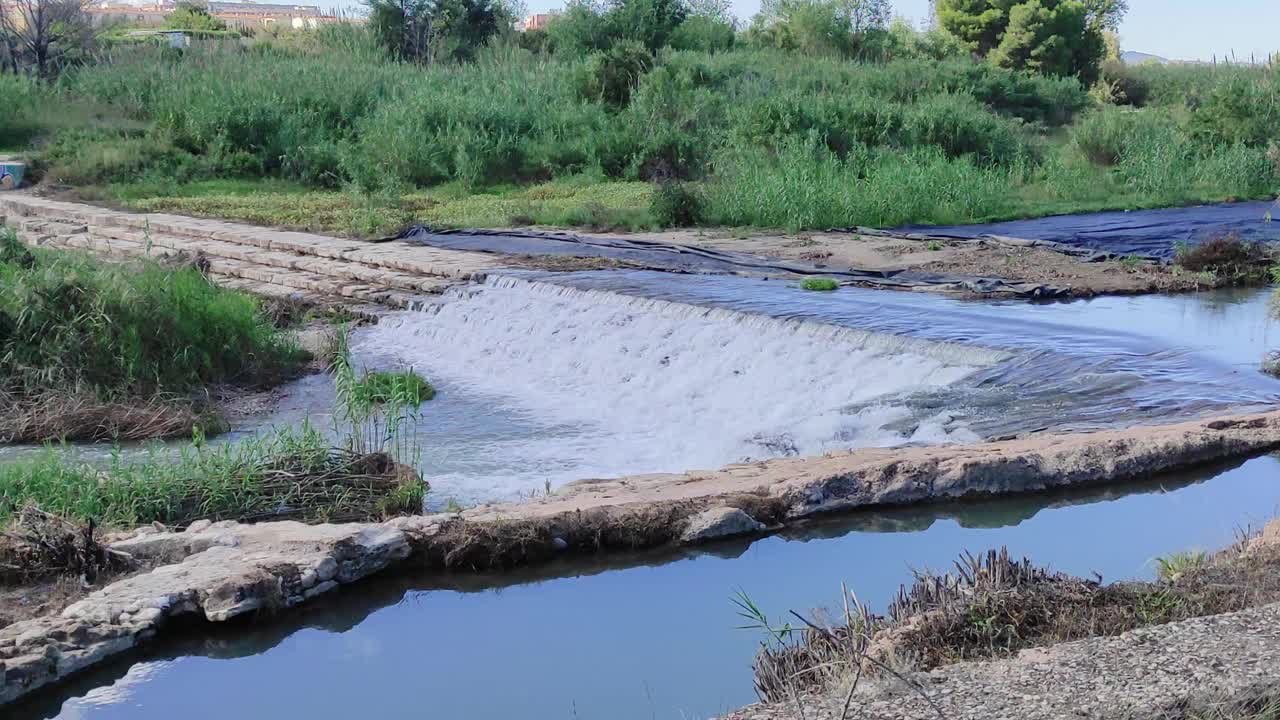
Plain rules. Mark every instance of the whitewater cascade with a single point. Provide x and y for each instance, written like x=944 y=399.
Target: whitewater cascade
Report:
x=625 y=385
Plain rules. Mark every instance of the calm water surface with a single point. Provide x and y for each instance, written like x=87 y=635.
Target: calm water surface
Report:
x=635 y=638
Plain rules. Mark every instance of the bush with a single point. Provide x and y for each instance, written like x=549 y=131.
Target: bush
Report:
x=1243 y=109
x=704 y=33
x=1232 y=260
x=18 y=123
x=616 y=72
x=676 y=204
x=819 y=284
x=69 y=322
x=1109 y=135
x=1119 y=85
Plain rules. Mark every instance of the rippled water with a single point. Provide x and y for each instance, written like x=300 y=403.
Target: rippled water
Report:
x=603 y=373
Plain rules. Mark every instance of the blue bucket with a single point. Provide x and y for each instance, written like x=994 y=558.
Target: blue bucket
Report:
x=11 y=175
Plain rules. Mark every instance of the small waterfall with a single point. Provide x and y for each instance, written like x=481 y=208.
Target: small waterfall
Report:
x=615 y=384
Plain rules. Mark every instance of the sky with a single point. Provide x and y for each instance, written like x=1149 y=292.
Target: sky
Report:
x=1176 y=29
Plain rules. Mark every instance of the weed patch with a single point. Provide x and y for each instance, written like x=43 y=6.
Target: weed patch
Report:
x=1232 y=260
x=819 y=284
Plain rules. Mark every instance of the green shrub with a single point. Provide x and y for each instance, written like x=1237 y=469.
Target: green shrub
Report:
x=18 y=123
x=704 y=33
x=819 y=284
x=615 y=73
x=404 y=387
x=1109 y=135
x=1242 y=109
x=69 y=322
x=1122 y=86
x=676 y=204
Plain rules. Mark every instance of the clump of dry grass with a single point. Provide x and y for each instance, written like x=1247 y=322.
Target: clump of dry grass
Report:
x=84 y=417
x=1232 y=260
x=992 y=605
x=38 y=545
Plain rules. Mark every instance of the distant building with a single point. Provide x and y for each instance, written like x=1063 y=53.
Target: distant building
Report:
x=536 y=22
x=237 y=15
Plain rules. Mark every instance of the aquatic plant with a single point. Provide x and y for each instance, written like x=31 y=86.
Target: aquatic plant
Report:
x=1232 y=260
x=819 y=284
x=284 y=474
x=1171 y=567
x=377 y=411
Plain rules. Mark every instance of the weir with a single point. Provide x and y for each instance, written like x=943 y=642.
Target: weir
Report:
x=623 y=384
x=547 y=379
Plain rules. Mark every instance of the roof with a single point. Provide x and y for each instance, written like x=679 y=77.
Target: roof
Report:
x=250 y=8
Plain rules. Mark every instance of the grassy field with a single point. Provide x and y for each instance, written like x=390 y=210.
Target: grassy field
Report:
x=333 y=138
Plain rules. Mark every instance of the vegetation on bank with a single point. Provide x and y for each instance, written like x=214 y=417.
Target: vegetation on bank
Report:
x=605 y=121
x=93 y=350
x=284 y=475
x=362 y=470
x=993 y=606
x=819 y=284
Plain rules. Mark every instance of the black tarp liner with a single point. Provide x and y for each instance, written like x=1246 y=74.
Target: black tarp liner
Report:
x=673 y=257
x=1150 y=234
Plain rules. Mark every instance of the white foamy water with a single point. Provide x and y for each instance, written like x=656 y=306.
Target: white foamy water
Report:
x=602 y=384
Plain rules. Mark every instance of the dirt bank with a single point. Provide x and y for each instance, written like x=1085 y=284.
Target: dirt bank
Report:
x=225 y=570
x=277 y=263
x=985 y=258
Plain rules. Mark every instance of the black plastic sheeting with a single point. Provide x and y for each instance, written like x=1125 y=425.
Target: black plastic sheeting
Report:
x=673 y=257
x=1153 y=234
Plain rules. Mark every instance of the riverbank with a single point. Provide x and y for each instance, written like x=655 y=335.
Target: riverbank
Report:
x=1197 y=639
x=362 y=276
x=91 y=350
x=225 y=570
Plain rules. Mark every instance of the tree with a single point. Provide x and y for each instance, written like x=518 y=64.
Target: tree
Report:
x=424 y=31
x=192 y=16
x=648 y=22
x=48 y=33
x=1054 y=37
x=845 y=27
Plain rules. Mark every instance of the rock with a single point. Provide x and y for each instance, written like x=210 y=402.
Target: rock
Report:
x=717 y=523
x=559 y=543
x=199 y=526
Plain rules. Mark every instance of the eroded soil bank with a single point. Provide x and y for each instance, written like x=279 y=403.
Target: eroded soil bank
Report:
x=225 y=570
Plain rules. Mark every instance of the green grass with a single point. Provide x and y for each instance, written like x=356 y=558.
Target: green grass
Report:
x=384 y=386
x=1171 y=567
x=285 y=474
x=68 y=322
x=819 y=284
x=331 y=137
x=568 y=202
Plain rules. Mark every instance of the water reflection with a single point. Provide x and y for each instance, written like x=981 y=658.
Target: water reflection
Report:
x=639 y=636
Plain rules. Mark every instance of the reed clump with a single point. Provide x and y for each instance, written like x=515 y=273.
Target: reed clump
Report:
x=97 y=351
x=993 y=605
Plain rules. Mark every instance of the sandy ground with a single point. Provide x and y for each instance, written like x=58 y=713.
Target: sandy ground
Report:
x=981 y=258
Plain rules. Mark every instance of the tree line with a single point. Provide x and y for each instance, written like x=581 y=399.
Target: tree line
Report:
x=1052 y=37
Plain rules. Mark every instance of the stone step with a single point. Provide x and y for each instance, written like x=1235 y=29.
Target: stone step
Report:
x=340 y=269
